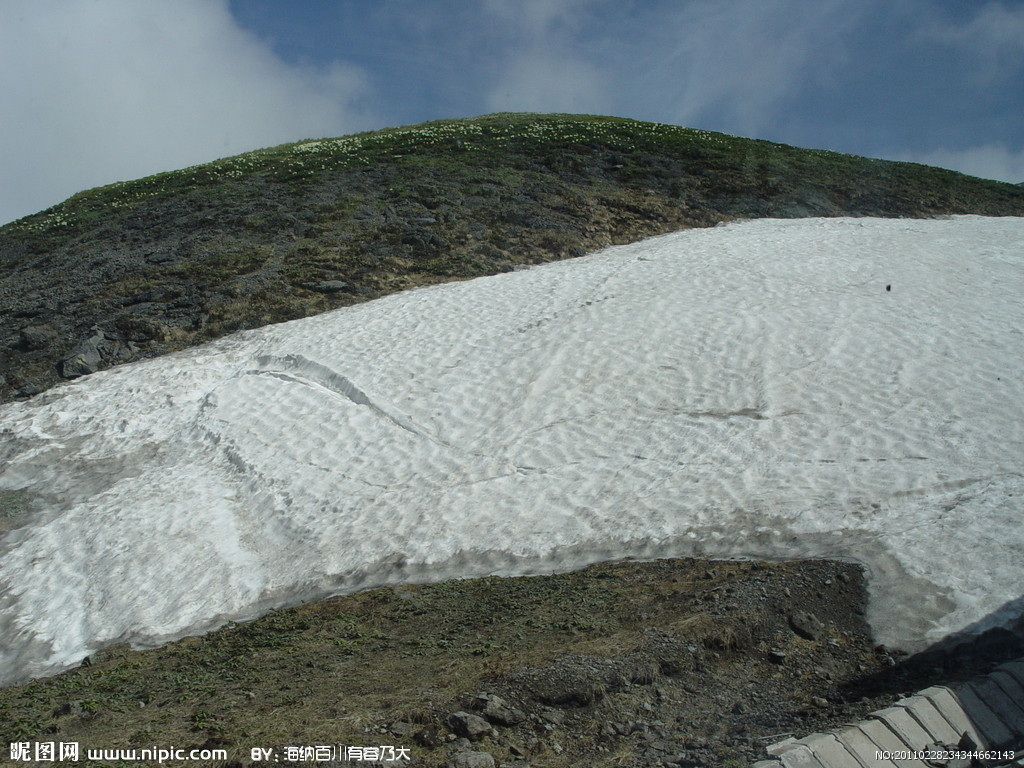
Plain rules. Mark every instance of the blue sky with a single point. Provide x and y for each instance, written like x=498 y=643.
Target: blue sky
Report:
x=97 y=91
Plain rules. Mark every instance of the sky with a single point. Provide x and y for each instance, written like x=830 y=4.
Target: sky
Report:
x=99 y=91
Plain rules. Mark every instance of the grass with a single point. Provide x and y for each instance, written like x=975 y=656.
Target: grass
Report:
x=560 y=142
x=246 y=240
x=14 y=506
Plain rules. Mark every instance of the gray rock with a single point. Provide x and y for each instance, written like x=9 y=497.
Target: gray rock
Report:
x=429 y=737
x=84 y=358
x=37 y=337
x=472 y=760
x=499 y=712
x=69 y=708
x=555 y=716
x=473 y=727
x=807 y=625
x=401 y=728
x=328 y=286
x=98 y=350
x=31 y=387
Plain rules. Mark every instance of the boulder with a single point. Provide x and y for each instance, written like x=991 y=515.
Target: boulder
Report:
x=472 y=727
x=97 y=350
x=37 y=336
x=807 y=625
x=85 y=357
x=328 y=286
x=499 y=712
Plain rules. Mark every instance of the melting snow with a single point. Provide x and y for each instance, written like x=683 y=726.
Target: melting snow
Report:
x=748 y=390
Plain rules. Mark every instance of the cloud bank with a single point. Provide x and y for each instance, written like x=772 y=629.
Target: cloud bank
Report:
x=988 y=161
x=97 y=92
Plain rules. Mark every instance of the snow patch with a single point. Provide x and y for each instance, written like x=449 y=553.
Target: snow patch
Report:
x=750 y=390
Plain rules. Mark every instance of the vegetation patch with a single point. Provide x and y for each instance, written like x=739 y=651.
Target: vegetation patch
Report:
x=302 y=228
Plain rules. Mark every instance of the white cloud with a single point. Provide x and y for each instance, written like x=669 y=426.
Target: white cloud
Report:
x=536 y=83
x=999 y=25
x=733 y=64
x=97 y=91
x=987 y=161
x=542 y=70
x=537 y=16
x=739 y=62
x=993 y=40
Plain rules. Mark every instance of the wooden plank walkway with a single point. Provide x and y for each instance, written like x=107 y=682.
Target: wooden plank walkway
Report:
x=985 y=714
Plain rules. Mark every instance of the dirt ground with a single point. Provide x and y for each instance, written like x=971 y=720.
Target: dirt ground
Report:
x=665 y=663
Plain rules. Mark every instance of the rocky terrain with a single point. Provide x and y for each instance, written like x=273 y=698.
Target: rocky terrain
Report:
x=668 y=663
x=141 y=268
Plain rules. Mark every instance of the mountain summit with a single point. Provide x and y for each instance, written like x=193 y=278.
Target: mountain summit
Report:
x=140 y=268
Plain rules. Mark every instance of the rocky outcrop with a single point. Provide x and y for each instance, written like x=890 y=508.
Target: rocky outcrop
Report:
x=95 y=352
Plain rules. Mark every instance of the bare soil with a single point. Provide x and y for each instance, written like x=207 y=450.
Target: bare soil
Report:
x=665 y=663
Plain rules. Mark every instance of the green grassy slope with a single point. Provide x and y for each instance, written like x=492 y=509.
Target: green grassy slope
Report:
x=178 y=258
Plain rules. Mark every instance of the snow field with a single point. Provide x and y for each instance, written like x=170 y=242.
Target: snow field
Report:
x=750 y=390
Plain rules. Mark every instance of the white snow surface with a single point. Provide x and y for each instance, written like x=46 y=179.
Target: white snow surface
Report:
x=750 y=390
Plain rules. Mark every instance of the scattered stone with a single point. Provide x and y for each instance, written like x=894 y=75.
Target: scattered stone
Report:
x=500 y=713
x=805 y=624
x=777 y=657
x=555 y=716
x=473 y=727
x=472 y=760
x=328 y=286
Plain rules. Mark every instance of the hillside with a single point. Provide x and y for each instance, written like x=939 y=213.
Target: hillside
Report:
x=140 y=268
